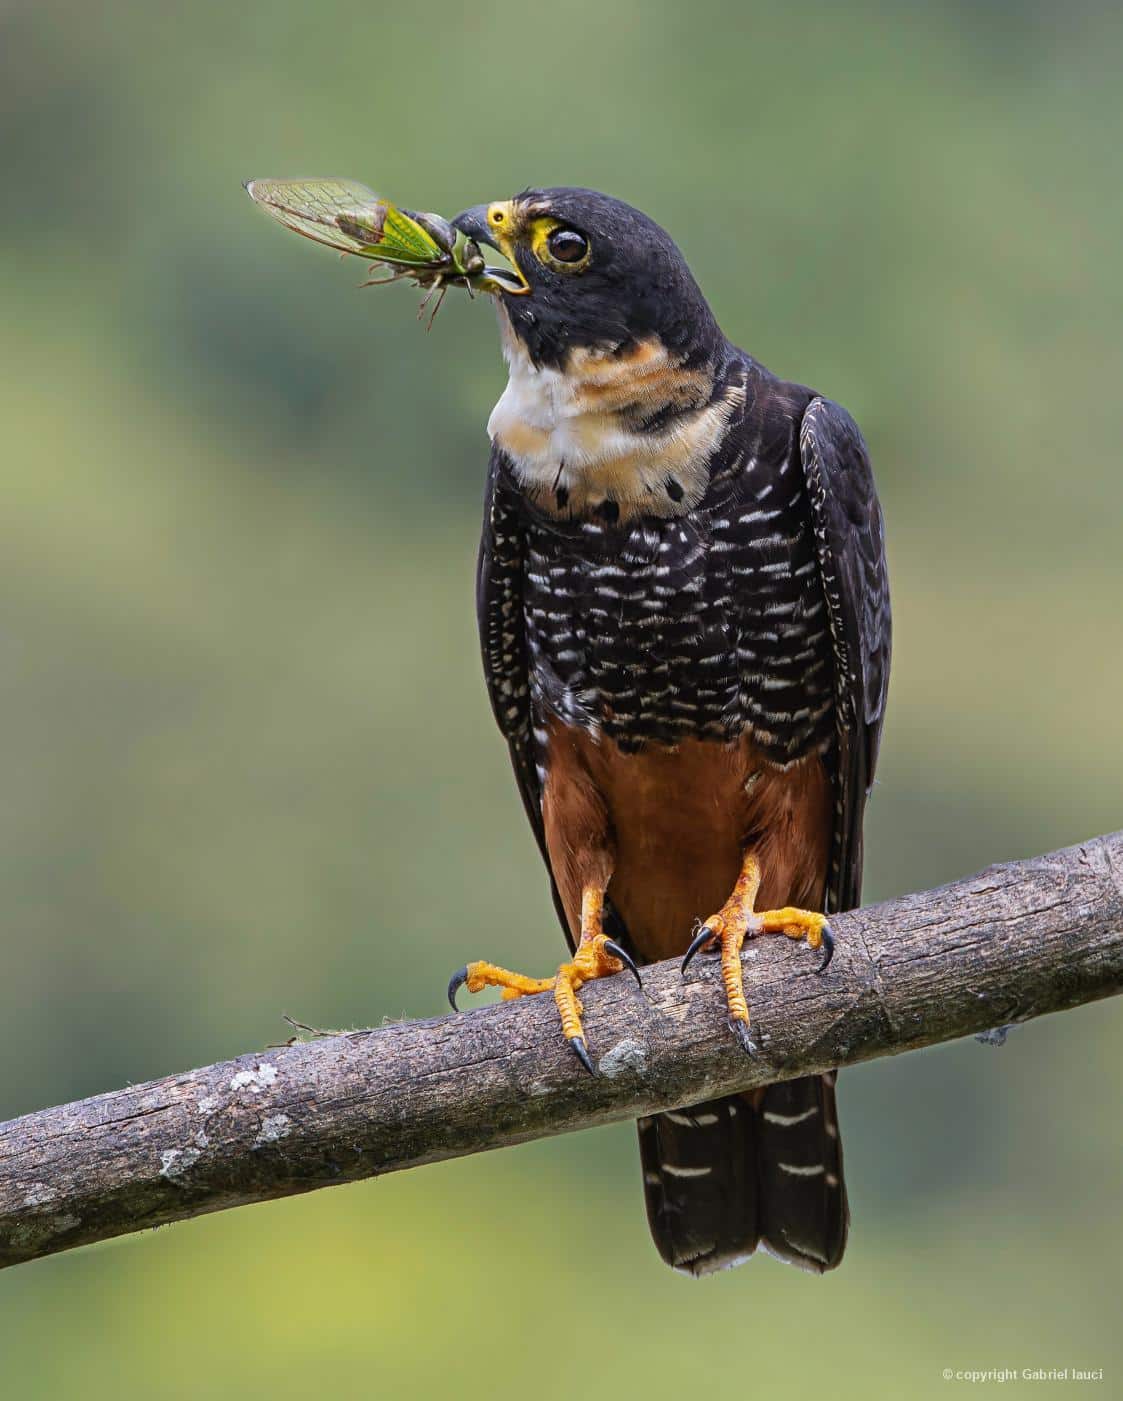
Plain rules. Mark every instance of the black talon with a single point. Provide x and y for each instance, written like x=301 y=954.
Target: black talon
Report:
x=578 y=1045
x=740 y=1029
x=828 y=947
x=704 y=935
x=612 y=947
x=455 y=983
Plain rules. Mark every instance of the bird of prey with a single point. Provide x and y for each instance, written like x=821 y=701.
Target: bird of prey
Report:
x=684 y=617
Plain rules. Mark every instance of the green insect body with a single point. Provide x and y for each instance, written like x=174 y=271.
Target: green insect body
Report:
x=345 y=215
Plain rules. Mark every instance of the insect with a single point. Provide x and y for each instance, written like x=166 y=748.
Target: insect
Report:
x=423 y=248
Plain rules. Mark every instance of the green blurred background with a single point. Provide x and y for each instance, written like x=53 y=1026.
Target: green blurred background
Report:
x=250 y=766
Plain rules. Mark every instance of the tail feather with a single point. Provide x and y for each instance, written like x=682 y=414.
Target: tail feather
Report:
x=763 y=1169
x=804 y=1214
x=699 y=1183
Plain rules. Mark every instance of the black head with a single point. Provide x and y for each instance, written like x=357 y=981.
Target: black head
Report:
x=595 y=273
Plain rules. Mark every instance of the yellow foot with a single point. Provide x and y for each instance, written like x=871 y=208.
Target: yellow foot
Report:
x=597 y=956
x=736 y=921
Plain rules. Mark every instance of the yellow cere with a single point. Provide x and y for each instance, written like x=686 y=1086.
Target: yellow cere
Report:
x=504 y=222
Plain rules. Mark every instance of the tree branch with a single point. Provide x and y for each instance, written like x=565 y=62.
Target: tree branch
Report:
x=1007 y=945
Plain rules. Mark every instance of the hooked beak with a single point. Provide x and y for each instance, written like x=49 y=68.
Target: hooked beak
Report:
x=474 y=224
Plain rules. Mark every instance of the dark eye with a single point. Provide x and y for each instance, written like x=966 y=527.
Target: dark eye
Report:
x=567 y=245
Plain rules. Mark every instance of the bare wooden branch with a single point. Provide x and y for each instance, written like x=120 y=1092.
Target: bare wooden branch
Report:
x=1007 y=945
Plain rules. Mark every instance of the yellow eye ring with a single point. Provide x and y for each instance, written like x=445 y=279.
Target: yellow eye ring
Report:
x=560 y=247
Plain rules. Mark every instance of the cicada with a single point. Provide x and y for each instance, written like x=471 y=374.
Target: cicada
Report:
x=345 y=215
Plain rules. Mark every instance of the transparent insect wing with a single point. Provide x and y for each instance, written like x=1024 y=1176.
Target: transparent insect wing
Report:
x=344 y=214
x=340 y=213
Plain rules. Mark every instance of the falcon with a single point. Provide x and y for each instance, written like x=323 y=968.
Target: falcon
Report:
x=684 y=617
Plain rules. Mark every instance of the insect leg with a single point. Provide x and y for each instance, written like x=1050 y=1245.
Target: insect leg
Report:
x=436 y=285
x=394 y=276
x=440 y=299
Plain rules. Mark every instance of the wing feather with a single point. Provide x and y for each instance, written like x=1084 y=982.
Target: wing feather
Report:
x=850 y=543
x=502 y=625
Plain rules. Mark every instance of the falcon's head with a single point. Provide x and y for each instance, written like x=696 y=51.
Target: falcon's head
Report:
x=591 y=273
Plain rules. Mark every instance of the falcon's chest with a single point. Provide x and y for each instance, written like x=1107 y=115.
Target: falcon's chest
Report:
x=711 y=625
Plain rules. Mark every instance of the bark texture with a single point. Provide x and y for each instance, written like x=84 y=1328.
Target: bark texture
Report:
x=1009 y=944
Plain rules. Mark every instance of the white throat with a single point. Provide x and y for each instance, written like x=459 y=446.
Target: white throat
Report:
x=572 y=437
